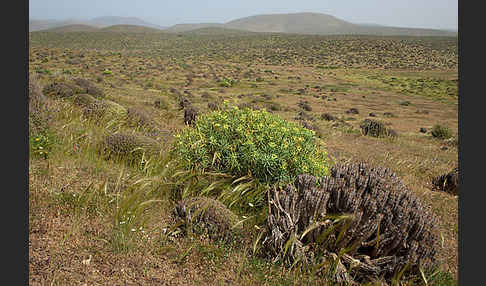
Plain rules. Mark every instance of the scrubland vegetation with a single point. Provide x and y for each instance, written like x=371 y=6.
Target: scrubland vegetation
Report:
x=242 y=159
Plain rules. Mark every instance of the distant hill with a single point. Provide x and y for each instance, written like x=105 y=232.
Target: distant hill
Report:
x=100 y=22
x=310 y=23
x=217 y=31
x=38 y=25
x=114 y=20
x=129 y=29
x=296 y=23
x=300 y=23
x=72 y=28
x=179 y=28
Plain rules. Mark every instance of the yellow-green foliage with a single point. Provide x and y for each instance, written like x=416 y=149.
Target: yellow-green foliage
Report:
x=255 y=142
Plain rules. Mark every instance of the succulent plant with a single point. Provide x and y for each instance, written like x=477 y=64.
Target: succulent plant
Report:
x=364 y=210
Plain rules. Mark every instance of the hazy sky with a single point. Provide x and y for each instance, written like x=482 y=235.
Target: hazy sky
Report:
x=439 y=14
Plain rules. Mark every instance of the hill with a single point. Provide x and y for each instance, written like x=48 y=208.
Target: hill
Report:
x=72 y=28
x=99 y=22
x=217 y=31
x=39 y=25
x=312 y=24
x=179 y=28
x=107 y=21
x=129 y=29
x=299 y=23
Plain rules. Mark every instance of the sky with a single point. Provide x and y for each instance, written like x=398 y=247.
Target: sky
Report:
x=436 y=14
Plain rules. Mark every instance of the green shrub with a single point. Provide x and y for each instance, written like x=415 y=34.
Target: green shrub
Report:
x=442 y=132
x=251 y=142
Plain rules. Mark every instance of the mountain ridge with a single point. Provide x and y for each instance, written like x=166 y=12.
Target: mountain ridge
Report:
x=309 y=23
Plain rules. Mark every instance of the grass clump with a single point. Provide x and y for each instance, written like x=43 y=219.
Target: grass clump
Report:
x=206 y=216
x=441 y=132
x=83 y=99
x=251 y=142
x=130 y=147
x=88 y=87
x=59 y=90
x=108 y=109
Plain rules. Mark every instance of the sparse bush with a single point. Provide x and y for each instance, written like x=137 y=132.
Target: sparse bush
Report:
x=441 y=132
x=89 y=87
x=137 y=117
x=448 y=183
x=184 y=102
x=328 y=117
x=207 y=96
x=352 y=111
x=389 y=114
x=373 y=128
x=130 y=147
x=59 y=90
x=83 y=99
x=105 y=109
x=248 y=142
x=391 y=133
x=305 y=105
x=213 y=106
x=206 y=216
x=303 y=116
x=190 y=114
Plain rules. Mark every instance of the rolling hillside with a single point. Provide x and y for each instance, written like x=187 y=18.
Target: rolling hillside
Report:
x=72 y=28
x=129 y=29
x=100 y=22
x=311 y=23
x=295 y=23
x=179 y=28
